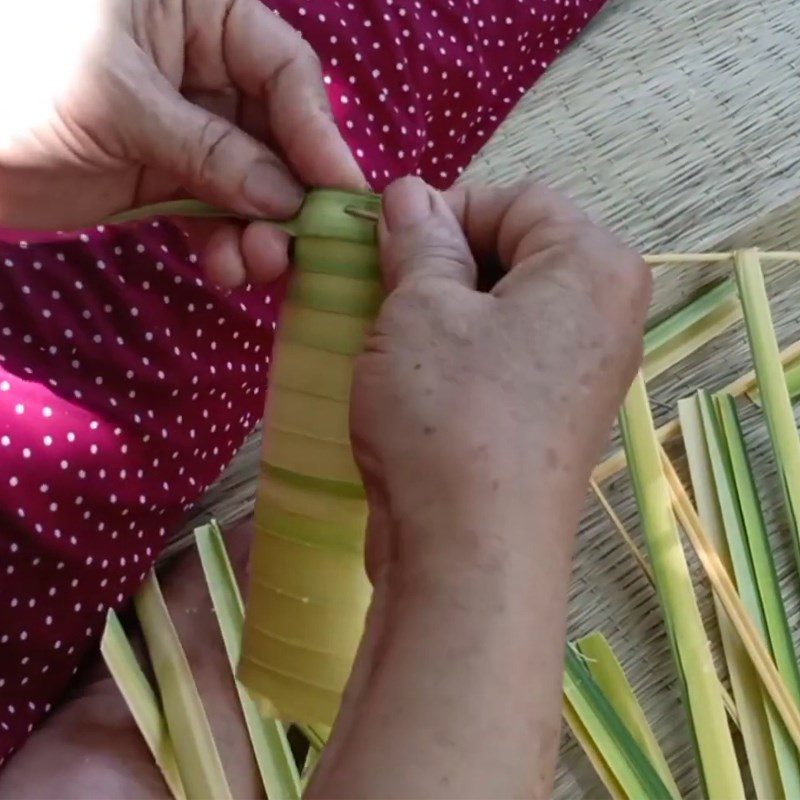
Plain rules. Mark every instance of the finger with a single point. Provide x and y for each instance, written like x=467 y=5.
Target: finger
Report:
x=238 y=108
x=420 y=236
x=265 y=250
x=233 y=254
x=213 y=158
x=511 y=223
x=269 y=60
x=253 y=120
x=224 y=103
x=222 y=257
x=534 y=229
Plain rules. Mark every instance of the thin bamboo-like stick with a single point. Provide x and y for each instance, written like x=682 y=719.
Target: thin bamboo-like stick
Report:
x=710 y=258
x=637 y=554
x=616 y=462
x=195 y=208
x=641 y=560
x=723 y=587
x=686 y=258
x=748 y=381
x=780 y=255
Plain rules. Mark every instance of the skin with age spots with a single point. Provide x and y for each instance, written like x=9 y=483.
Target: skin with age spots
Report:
x=476 y=486
x=505 y=374
x=551 y=457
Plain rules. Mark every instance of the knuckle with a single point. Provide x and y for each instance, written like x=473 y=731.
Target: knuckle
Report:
x=306 y=53
x=420 y=295
x=561 y=239
x=635 y=277
x=305 y=59
x=595 y=244
x=442 y=251
x=430 y=312
x=204 y=154
x=443 y=254
x=549 y=205
x=404 y=317
x=622 y=269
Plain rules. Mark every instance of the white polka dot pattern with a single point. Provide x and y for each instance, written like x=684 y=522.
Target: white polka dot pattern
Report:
x=127 y=382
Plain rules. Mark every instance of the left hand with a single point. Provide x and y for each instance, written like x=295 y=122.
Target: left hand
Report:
x=110 y=104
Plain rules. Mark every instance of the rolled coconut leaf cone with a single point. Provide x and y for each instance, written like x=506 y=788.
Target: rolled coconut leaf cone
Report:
x=308 y=589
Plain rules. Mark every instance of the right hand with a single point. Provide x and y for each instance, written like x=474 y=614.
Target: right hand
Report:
x=490 y=408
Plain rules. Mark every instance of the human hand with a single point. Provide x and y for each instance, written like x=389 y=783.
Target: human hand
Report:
x=489 y=409
x=116 y=103
x=476 y=419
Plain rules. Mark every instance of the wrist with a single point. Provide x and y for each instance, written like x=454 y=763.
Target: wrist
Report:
x=460 y=547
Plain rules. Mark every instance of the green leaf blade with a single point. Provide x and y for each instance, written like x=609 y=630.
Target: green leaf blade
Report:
x=771 y=383
x=610 y=678
x=690 y=328
x=196 y=752
x=757 y=720
x=623 y=756
x=775 y=623
x=267 y=736
x=141 y=701
x=706 y=711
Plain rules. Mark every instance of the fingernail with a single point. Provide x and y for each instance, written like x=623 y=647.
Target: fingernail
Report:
x=407 y=203
x=271 y=191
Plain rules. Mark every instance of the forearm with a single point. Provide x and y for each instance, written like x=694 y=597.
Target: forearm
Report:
x=461 y=687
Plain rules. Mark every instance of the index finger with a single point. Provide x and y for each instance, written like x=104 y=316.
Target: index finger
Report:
x=510 y=223
x=268 y=59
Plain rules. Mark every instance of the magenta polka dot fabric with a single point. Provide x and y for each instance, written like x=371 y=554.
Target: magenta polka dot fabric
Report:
x=127 y=382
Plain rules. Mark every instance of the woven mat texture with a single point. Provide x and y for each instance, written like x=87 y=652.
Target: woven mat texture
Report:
x=676 y=124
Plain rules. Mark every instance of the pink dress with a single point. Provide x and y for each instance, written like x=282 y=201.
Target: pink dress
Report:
x=127 y=382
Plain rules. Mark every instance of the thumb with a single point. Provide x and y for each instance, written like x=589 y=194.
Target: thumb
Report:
x=214 y=159
x=420 y=236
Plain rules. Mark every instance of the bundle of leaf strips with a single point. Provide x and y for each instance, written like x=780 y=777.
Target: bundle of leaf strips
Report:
x=606 y=719
x=171 y=717
x=714 y=438
x=599 y=704
x=716 y=756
